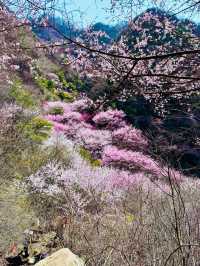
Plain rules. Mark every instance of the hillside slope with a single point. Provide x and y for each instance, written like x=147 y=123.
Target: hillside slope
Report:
x=157 y=30
x=79 y=174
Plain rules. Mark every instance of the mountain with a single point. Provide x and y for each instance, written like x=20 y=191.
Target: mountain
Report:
x=69 y=29
x=157 y=30
x=177 y=100
x=112 y=32
x=50 y=34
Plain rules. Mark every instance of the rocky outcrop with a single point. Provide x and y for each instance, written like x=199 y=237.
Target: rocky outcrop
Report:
x=63 y=257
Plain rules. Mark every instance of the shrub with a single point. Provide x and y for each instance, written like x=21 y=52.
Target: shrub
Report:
x=72 y=84
x=54 y=118
x=130 y=160
x=61 y=76
x=20 y=155
x=22 y=96
x=94 y=140
x=110 y=119
x=49 y=105
x=129 y=137
x=85 y=154
x=47 y=88
x=82 y=105
x=81 y=171
x=56 y=111
x=121 y=213
x=59 y=127
x=66 y=96
x=37 y=129
x=44 y=84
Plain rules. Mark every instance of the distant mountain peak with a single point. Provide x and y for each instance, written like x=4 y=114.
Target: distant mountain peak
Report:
x=157 y=30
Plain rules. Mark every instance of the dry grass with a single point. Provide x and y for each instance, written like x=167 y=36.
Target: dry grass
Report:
x=140 y=228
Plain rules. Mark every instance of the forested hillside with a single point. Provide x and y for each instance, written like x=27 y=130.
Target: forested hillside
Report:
x=99 y=141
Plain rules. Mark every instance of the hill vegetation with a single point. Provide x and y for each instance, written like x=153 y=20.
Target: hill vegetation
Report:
x=98 y=152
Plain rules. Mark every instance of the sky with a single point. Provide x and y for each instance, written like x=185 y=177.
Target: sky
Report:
x=97 y=11
x=87 y=12
x=92 y=11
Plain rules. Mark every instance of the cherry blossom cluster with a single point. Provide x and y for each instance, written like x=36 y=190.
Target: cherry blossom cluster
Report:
x=110 y=119
x=134 y=161
x=149 y=34
x=129 y=138
x=109 y=182
x=79 y=173
x=12 y=50
x=108 y=137
x=94 y=140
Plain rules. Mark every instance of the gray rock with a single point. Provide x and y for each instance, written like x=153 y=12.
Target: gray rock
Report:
x=63 y=257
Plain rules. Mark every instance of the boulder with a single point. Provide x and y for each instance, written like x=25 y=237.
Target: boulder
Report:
x=63 y=257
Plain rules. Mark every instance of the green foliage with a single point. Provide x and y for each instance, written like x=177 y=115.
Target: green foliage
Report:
x=47 y=87
x=50 y=92
x=19 y=156
x=56 y=111
x=79 y=84
x=66 y=96
x=113 y=104
x=86 y=155
x=61 y=76
x=22 y=96
x=45 y=84
x=37 y=129
x=73 y=84
x=130 y=218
